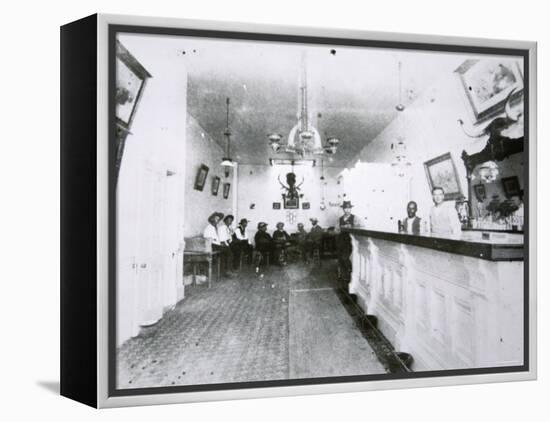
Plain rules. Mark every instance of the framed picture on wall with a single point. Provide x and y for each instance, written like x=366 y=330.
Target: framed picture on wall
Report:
x=487 y=83
x=441 y=172
x=291 y=203
x=226 y=188
x=156 y=315
x=480 y=192
x=200 y=178
x=215 y=185
x=130 y=82
x=510 y=185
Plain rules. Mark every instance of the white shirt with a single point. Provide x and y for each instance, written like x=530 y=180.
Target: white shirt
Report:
x=444 y=220
x=210 y=232
x=225 y=233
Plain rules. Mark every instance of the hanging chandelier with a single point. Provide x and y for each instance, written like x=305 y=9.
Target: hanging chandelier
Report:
x=303 y=138
x=227 y=162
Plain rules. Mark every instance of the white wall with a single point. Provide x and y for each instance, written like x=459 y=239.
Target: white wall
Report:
x=258 y=185
x=200 y=149
x=150 y=209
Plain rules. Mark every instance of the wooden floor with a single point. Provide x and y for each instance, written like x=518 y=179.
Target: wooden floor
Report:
x=285 y=323
x=323 y=342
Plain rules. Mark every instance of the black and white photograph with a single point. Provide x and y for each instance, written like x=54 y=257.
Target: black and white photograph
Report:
x=406 y=257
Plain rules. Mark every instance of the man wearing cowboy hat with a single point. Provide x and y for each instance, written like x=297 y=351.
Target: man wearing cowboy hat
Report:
x=343 y=241
x=211 y=232
x=314 y=237
x=281 y=241
x=264 y=244
x=241 y=243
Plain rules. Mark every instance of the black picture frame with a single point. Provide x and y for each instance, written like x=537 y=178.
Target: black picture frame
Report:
x=305 y=205
x=226 y=190
x=480 y=192
x=215 y=185
x=276 y=205
x=130 y=83
x=200 y=178
x=291 y=203
x=510 y=186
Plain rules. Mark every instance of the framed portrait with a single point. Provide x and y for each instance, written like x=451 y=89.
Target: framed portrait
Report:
x=226 y=189
x=200 y=178
x=480 y=192
x=148 y=315
x=130 y=83
x=291 y=203
x=488 y=82
x=441 y=172
x=215 y=185
x=510 y=185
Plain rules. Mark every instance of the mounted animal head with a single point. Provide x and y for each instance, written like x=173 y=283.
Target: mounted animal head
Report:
x=497 y=126
x=290 y=188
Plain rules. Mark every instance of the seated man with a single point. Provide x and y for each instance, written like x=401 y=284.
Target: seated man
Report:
x=281 y=241
x=263 y=244
x=241 y=244
x=211 y=232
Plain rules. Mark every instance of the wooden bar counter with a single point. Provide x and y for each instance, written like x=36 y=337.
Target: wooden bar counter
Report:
x=452 y=303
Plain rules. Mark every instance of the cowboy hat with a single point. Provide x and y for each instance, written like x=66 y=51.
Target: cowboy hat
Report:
x=347 y=204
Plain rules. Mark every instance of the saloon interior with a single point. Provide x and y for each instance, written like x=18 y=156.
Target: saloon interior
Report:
x=289 y=133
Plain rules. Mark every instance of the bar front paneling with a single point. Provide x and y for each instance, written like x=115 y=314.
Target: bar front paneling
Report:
x=449 y=303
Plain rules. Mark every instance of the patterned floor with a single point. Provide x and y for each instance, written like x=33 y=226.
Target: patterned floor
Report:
x=238 y=330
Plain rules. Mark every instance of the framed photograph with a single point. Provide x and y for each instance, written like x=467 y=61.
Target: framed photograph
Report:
x=510 y=185
x=226 y=189
x=291 y=203
x=487 y=83
x=480 y=192
x=200 y=178
x=130 y=83
x=215 y=185
x=441 y=172
x=150 y=313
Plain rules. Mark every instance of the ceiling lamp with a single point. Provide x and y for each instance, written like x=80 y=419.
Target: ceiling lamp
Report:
x=227 y=162
x=303 y=137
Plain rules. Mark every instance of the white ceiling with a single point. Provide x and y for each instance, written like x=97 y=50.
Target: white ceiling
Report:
x=352 y=91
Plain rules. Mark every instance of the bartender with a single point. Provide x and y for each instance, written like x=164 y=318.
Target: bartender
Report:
x=343 y=241
x=443 y=216
x=412 y=223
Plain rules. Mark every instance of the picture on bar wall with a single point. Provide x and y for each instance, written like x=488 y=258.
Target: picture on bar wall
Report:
x=265 y=285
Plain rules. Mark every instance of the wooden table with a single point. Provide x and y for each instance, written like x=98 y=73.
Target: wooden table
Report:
x=196 y=257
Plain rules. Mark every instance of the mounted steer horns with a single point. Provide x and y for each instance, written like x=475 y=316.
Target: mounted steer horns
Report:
x=498 y=146
x=499 y=124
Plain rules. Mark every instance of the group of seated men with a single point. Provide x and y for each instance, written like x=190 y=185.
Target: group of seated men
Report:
x=278 y=245
x=233 y=243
